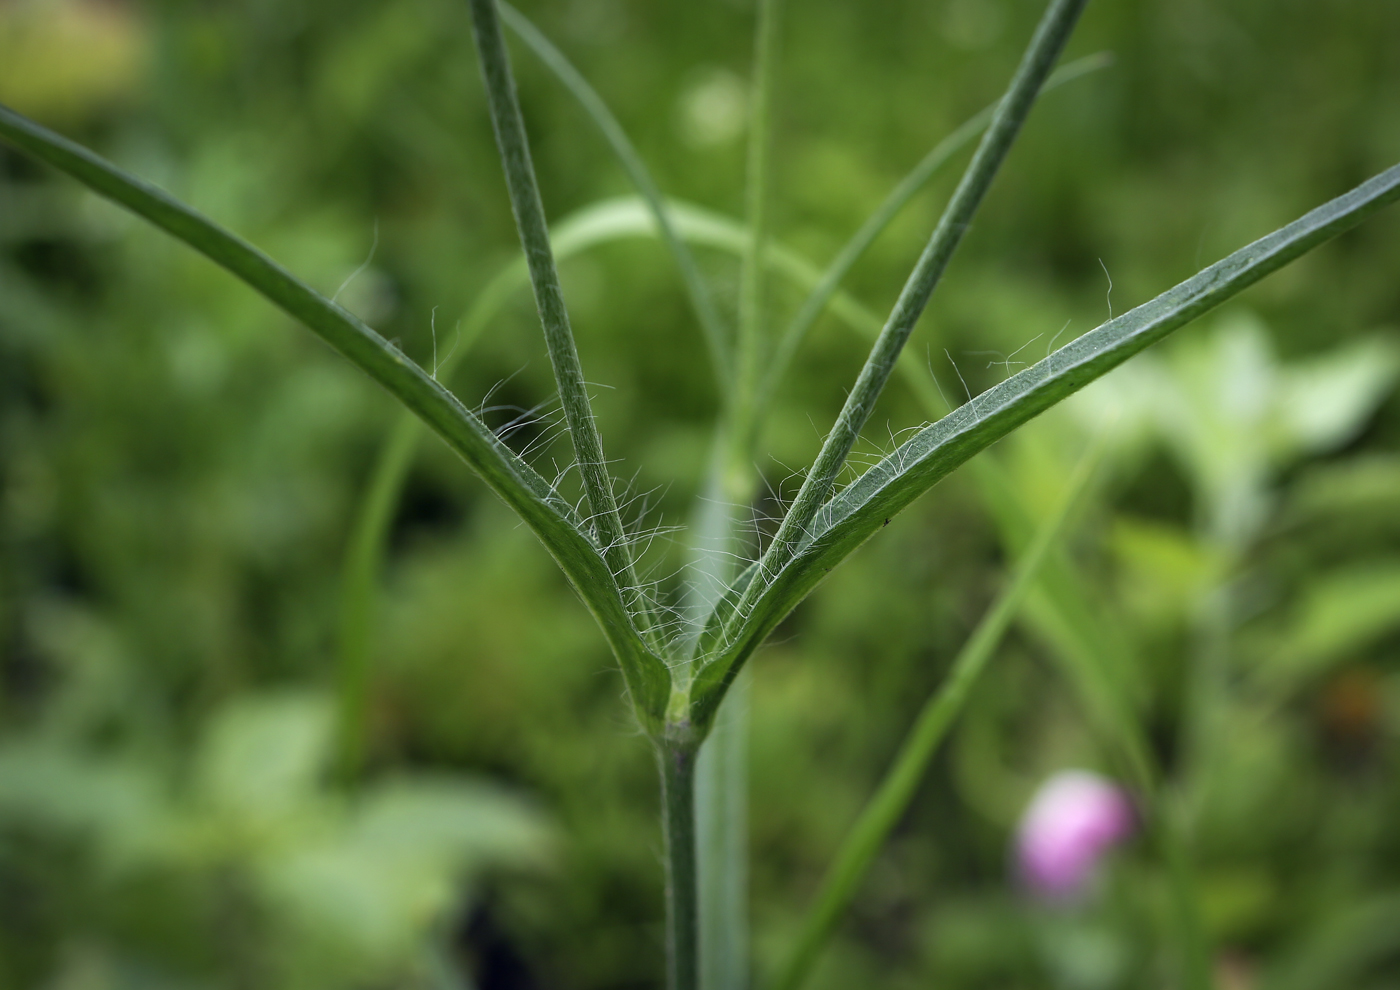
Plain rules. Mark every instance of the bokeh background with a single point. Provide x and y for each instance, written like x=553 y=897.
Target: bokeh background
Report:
x=180 y=467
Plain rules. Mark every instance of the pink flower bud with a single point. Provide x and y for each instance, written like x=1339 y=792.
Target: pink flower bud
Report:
x=1074 y=819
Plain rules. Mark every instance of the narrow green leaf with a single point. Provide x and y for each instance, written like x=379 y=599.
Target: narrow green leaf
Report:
x=701 y=300
x=889 y=803
x=859 y=510
x=604 y=222
x=1045 y=46
x=514 y=481
x=525 y=202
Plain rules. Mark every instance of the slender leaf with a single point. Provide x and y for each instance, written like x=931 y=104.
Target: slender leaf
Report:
x=1045 y=46
x=859 y=510
x=607 y=221
x=514 y=481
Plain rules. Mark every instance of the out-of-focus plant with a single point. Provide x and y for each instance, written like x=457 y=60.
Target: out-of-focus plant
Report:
x=682 y=646
x=269 y=875
x=1188 y=611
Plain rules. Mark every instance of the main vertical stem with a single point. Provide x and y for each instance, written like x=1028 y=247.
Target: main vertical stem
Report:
x=682 y=888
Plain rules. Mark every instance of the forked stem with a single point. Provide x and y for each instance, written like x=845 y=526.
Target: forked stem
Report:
x=1050 y=37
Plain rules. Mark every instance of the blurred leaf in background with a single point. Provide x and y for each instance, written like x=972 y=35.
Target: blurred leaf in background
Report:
x=179 y=469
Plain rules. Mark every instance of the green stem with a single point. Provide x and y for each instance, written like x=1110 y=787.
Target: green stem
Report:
x=892 y=799
x=682 y=891
x=701 y=300
x=751 y=272
x=525 y=202
x=723 y=894
x=721 y=799
x=1050 y=37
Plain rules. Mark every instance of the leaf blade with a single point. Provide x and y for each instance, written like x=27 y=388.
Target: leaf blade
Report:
x=513 y=481
x=1051 y=34
x=849 y=518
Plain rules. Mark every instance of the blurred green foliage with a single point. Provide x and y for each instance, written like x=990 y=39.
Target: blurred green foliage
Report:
x=181 y=467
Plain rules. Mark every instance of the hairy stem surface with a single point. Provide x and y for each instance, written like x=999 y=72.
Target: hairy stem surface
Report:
x=682 y=888
x=1049 y=39
x=525 y=203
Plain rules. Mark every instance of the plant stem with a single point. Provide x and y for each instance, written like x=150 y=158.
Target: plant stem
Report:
x=723 y=818
x=682 y=889
x=525 y=203
x=751 y=280
x=701 y=299
x=1050 y=37
x=722 y=844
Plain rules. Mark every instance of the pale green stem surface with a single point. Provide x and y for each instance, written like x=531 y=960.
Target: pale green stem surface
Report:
x=883 y=812
x=722 y=800
x=525 y=203
x=752 y=297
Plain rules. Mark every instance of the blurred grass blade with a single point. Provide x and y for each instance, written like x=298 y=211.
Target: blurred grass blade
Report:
x=859 y=510
x=1045 y=46
x=701 y=299
x=722 y=844
x=722 y=795
x=1349 y=945
x=1087 y=644
x=875 y=224
x=364 y=556
x=514 y=481
x=887 y=807
x=751 y=331
x=525 y=202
